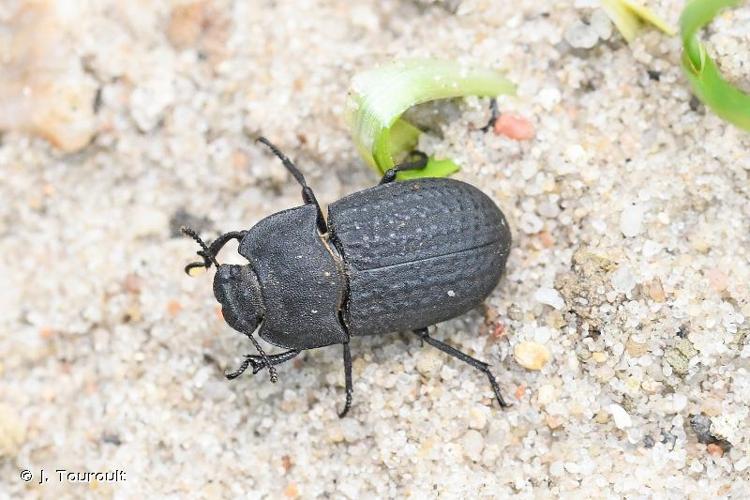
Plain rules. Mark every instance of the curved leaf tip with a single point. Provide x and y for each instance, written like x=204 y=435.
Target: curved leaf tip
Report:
x=726 y=100
x=378 y=97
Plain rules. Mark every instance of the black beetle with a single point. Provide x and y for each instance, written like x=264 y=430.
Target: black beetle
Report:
x=398 y=256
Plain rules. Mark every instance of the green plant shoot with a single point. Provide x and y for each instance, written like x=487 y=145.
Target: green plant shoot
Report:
x=378 y=97
x=726 y=100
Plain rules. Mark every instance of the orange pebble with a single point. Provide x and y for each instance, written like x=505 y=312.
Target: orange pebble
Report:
x=514 y=127
x=291 y=491
x=520 y=391
x=498 y=331
x=547 y=240
x=173 y=307
x=715 y=450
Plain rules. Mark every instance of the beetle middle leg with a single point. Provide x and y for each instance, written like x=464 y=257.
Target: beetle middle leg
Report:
x=418 y=164
x=479 y=365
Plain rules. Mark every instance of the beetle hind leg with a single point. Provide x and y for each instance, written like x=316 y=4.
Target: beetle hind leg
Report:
x=479 y=365
x=348 y=378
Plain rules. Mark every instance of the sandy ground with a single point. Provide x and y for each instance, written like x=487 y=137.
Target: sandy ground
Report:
x=630 y=265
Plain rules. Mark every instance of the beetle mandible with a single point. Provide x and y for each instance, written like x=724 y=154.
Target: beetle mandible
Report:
x=400 y=256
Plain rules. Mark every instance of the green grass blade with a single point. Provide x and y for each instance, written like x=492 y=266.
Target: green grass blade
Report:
x=726 y=100
x=629 y=17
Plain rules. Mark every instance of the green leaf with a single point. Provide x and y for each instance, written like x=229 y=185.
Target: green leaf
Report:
x=726 y=100
x=378 y=97
x=629 y=18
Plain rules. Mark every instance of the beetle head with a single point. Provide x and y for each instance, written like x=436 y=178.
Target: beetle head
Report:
x=238 y=291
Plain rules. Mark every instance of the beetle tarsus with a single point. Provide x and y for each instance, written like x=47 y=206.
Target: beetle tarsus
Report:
x=479 y=365
x=494 y=115
x=239 y=371
x=257 y=362
x=418 y=164
x=348 y=379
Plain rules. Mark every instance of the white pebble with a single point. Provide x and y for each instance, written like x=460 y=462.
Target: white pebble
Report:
x=623 y=280
x=473 y=444
x=742 y=464
x=546 y=394
x=620 y=416
x=531 y=355
x=679 y=402
x=581 y=36
x=530 y=223
x=631 y=220
x=148 y=221
x=550 y=297
x=429 y=362
x=601 y=24
x=477 y=417
x=651 y=248
x=549 y=97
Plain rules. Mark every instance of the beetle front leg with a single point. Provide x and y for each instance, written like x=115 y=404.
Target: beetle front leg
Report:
x=479 y=365
x=348 y=379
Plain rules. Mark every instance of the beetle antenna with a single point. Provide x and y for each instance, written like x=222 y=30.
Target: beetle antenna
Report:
x=208 y=256
x=291 y=167
x=307 y=193
x=271 y=369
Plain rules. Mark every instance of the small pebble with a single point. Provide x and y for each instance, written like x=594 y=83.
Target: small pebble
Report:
x=520 y=391
x=12 y=432
x=429 y=362
x=291 y=491
x=549 y=97
x=473 y=444
x=631 y=221
x=655 y=290
x=514 y=127
x=623 y=280
x=601 y=24
x=553 y=421
x=742 y=464
x=531 y=355
x=599 y=357
x=581 y=35
x=715 y=450
x=621 y=417
x=717 y=279
x=550 y=297
x=148 y=221
x=477 y=418
x=546 y=394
